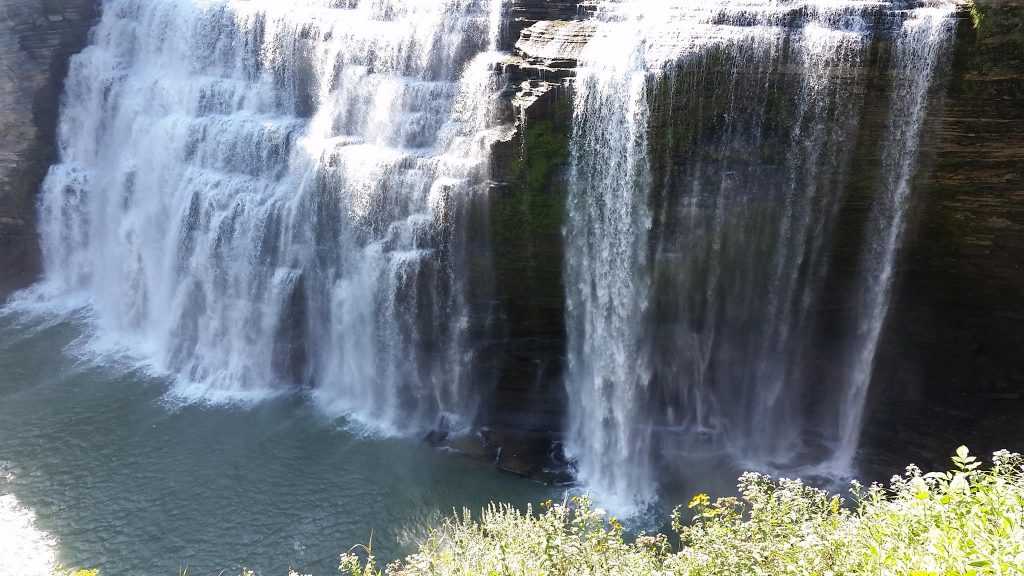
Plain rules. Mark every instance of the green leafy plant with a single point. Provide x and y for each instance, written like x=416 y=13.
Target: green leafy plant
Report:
x=966 y=521
x=977 y=14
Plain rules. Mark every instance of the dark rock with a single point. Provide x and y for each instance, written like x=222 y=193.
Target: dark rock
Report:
x=475 y=445
x=37 y=37
x=524 y=453
x=957 y=318
x=440 y=433
x=957 y=323
x=526 y=13
x=436 y=438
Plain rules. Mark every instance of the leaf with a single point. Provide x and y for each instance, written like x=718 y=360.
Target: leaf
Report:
x=962 y=452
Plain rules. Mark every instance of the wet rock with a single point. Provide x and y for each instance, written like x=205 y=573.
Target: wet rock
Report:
x=525 y=13
x=36 y=40
x=475 y=446
x=436 y=438
x=957 y=324
x=439 y=435
x=521 y=453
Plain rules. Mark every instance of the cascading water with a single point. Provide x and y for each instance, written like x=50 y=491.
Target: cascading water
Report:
x=923 y=38
x=252 y=195
x=607 y=274
x=258 y=192
x=704 y=201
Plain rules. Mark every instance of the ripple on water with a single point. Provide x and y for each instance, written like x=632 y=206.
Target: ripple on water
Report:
x=130 y=483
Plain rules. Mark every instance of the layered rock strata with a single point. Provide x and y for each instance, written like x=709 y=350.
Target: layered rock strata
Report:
x=957 y=318
x=36 y=39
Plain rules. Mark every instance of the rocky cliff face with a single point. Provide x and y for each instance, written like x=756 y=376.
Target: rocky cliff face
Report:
x=952 y=347
x=957 y=320
x=36 y=39
x=961 y=305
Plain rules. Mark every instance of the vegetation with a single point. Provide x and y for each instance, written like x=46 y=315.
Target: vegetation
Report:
x=968 y=521
x=535 y=208
x=965 y=522
x=977 y=14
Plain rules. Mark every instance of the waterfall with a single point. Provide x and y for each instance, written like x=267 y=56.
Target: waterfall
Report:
x=254 y=194
x=923 y=39
x=606 y=273
x=711 y=153
x=257 y=196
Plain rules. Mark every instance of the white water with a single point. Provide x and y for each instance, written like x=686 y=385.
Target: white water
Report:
x=691 y=311
x=923 y=39
x=255 y=195
x=258 y=194
x=607 y=274
x=25 y=550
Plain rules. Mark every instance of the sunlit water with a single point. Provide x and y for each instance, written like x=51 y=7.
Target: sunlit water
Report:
x=118 y=477
x=24 y=549
x=701 y=220
x=254 y=196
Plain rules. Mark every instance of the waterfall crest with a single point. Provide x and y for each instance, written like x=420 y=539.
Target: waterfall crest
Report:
x=703 y=208
x=258 y=193
x=256 y=196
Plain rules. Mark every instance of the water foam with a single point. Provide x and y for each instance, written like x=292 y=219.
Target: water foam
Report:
x=255 y=197
x=25 y=550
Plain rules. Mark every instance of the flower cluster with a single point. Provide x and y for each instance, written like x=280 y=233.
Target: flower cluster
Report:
x=967 y=521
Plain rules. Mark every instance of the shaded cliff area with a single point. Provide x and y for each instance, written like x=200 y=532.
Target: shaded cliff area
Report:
x=951 y=351
x=950 y=344
x=37 y=37
x=961 y=301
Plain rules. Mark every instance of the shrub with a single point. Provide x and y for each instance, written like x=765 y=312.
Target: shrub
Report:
x=968 y=521
x=977 y=14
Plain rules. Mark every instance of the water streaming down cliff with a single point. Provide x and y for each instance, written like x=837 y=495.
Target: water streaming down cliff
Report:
x=253 y=196
x=607 y=273
x=258 y=193
x=710 y=155
x=920 y=44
